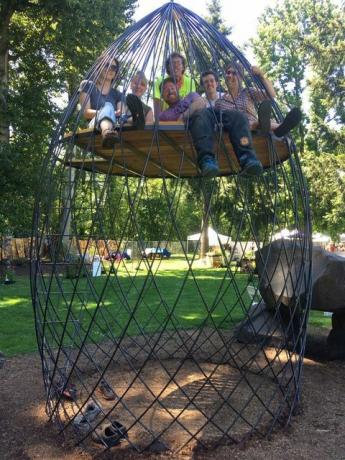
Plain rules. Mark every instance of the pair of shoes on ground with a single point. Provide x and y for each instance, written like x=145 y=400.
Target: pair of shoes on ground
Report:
x=209 y=166
x=83 y=420
x=135 y=106
x=292 y=119
x=105 y=391
x=110 y=433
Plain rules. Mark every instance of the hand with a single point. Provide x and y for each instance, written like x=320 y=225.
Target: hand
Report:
x=257 y=71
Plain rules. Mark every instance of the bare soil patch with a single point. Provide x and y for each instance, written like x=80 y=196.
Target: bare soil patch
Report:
x=317 y=432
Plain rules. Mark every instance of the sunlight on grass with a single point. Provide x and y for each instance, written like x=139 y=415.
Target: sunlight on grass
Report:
x=8 y=302
x=128 y=299
x=193 y=317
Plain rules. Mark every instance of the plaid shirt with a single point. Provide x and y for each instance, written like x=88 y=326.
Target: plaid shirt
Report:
x=244 y=102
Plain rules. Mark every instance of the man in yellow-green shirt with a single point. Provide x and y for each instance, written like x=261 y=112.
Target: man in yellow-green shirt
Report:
x=175 y=67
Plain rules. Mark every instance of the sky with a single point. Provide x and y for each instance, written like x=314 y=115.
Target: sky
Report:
x=240 y=15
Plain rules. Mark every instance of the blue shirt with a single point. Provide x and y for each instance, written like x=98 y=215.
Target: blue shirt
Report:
x=97 y=99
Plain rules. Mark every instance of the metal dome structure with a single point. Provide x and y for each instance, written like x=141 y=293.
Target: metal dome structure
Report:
x=150 y=350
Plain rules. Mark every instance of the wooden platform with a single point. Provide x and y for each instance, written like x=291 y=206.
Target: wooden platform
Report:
x=163 y=151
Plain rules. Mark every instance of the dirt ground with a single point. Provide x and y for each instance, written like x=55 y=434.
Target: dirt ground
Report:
x=316 y=433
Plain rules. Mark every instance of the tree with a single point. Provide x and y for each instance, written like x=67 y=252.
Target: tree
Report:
x=325 y=175
x=45 y=48
x=215 y=17
x=299 y=43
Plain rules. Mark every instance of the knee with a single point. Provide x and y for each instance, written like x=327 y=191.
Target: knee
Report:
x=240 y=117
x=234 y=119
x=243 y=118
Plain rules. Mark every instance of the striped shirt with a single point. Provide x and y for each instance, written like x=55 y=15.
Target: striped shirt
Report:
x=244 y=102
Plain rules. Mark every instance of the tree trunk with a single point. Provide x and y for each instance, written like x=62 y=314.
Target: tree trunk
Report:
x=204 y=228
x=6 y=13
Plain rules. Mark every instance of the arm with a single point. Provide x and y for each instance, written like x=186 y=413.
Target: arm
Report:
x=198 y=104
x=84 y=100
x=120 y=108
x=149 y=118
x=267 y=84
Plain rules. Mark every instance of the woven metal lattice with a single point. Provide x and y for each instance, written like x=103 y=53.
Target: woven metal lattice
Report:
x=170 y=347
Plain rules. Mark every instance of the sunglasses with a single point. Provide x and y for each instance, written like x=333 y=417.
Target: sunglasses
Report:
x=114 y=67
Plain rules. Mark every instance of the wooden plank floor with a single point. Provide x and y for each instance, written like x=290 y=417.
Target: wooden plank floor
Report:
x=164 y=152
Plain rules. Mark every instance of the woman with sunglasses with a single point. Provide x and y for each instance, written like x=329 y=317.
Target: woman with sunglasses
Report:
x=246 y=99
x=101 y=103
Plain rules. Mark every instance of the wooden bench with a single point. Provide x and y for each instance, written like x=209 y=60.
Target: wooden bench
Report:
x=165 y=150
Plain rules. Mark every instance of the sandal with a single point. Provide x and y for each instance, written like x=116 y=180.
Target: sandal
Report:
x=68 y=391
x=110 y=433
x=105 y=390
x=136 y=108
x=109 y=138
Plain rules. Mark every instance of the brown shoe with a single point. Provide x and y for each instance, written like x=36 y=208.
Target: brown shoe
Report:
x=105 y=391
x=109 y=138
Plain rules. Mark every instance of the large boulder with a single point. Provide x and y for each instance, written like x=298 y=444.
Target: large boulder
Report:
x=261 y=326
x=284 y=273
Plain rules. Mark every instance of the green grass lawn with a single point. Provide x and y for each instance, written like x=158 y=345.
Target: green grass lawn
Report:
x=122 y=303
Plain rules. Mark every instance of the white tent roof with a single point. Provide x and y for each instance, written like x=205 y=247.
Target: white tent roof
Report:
x=320 y=238
x=286 y=234
x=213 y=237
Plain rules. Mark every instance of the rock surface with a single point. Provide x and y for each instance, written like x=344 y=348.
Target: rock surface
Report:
x=283 y=268
x=284 y=272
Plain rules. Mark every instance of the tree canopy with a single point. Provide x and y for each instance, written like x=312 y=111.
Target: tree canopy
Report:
x=46 y=46
x=301 y=44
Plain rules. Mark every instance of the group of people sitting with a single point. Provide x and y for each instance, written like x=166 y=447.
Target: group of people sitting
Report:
x=175 y=99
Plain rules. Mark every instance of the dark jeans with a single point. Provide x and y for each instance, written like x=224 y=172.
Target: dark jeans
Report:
x=235 y=123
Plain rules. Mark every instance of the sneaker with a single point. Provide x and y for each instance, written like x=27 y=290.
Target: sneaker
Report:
x=110 y=433
x=252 y=168
x=209 y=166
x=105 y=390
x=264 y=116
x=89 y=414
x=136 y=108
x=290 y=122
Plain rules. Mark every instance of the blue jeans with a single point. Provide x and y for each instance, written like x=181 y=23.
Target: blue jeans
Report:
x=107 y=112
x=202 y=124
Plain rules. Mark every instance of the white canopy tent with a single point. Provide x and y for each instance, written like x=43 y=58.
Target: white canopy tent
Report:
x=286 y=234
x=213 y=238
x=319 y=238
